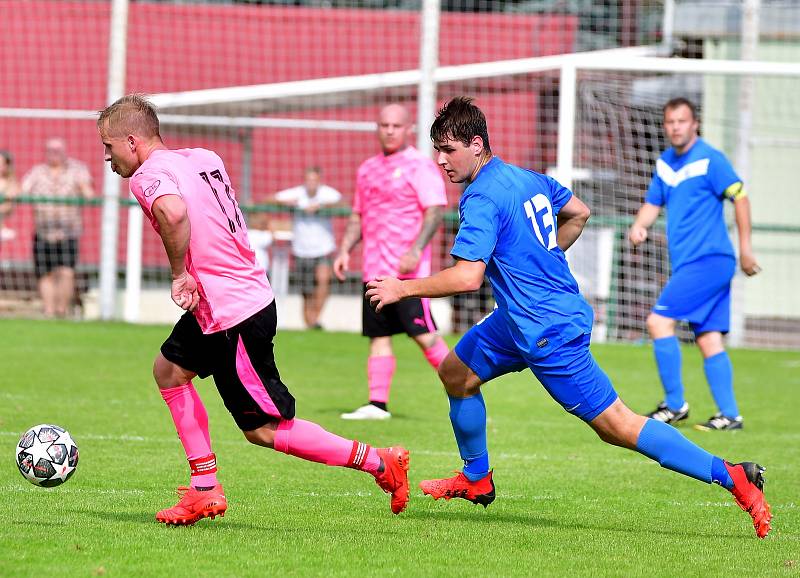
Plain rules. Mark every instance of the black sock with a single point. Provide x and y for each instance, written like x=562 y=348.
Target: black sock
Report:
x=203 y=488
x=379 y=404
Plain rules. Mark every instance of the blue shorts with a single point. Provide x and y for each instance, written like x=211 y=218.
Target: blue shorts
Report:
x=700 y=293
x=570 y=374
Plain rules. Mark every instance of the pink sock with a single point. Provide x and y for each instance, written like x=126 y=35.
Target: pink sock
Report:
x=380 y=370
x=436 y=353
x=191 y=421
x=308 y=441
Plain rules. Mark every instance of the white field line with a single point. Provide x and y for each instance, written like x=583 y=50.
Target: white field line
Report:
x=23 y=488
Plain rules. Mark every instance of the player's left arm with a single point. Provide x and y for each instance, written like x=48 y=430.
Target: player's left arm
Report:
x=431 y=220
x=571 y=219
x=741 y=206
x=723 y=178
x=463 y=277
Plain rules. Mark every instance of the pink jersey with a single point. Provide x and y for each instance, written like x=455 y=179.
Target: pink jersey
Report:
x=232 y=285
x=392 y=193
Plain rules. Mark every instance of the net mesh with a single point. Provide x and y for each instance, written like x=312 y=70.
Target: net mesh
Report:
x=618 y=139
x=51 y=80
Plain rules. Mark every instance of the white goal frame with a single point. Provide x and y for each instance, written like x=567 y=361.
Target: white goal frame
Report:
x=249 y=107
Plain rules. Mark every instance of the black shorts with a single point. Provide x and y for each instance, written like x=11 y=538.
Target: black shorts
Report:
x=50 y=255
x=305 y=270
x=242 y=363
x=410 y=316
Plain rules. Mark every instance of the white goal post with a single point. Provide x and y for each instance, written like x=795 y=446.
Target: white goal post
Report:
x=261 y=105
x=240 y=110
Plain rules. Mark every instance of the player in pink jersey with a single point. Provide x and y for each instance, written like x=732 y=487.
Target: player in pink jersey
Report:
x=398 y=205
x=229 y=324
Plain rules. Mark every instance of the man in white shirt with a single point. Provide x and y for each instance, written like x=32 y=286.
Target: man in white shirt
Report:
x=312 y=240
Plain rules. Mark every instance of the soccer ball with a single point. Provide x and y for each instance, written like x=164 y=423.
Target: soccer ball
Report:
x=46 y=455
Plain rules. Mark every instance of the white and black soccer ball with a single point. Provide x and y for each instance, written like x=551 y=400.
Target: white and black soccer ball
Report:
x=47 y=455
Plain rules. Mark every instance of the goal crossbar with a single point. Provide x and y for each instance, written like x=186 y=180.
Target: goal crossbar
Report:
x=240 y=106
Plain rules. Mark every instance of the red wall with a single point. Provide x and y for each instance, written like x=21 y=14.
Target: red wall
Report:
x=53 y=54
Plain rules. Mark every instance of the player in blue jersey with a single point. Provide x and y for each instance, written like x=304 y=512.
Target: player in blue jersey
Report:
x=514 y=227
x=693 y=180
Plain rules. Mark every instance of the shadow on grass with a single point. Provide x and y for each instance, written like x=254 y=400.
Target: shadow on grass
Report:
x=476 y=517
x=148 y=518
x=533 y=521
x=479 y=516
x=39 y=523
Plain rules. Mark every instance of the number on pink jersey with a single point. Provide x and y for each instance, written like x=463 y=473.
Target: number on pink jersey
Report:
x=217 y=174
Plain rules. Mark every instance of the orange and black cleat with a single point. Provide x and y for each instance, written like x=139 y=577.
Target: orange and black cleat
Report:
x=394 y=477
x=194 y=505
x=479 y=492
x=748 y=491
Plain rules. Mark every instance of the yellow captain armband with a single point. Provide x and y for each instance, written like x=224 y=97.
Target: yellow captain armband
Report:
x=735 y=191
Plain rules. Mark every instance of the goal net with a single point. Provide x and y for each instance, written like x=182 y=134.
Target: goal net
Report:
x=276 y=89
x=618 y=137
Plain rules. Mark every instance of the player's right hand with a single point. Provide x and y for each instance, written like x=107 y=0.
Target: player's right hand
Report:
x=340 y=265
x=383 y=291
x=637 y=234
x=184 y=292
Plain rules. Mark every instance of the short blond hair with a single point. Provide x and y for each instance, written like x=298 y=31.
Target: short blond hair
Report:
x=131 y=114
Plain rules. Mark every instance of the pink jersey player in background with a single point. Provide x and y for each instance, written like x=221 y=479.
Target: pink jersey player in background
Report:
x=229 y=324
x=398 y=205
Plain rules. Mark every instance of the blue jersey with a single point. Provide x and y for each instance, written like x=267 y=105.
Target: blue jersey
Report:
x=508 y=220
x=693 y=187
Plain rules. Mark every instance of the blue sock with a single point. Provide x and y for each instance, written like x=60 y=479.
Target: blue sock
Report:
x=668 y=359
x=719 y=374
x=468 y=416
x=666 y=445
x=719 y=473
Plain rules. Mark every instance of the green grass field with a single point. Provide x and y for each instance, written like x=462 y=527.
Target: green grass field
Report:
x=567 y=504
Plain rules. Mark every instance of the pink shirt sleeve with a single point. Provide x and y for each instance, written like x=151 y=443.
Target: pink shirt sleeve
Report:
x=147 y=186
x=430 y=186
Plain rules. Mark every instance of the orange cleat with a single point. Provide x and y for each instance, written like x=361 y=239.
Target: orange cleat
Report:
x=194 y=505
x=394 y=478
x=459 y=486
x=748 y=491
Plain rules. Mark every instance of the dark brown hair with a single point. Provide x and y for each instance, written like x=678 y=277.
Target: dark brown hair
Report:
x=674 y=103
x=460 y=120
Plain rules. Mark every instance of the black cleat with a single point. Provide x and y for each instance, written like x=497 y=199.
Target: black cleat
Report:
x=664 y=414
x=719 y=422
